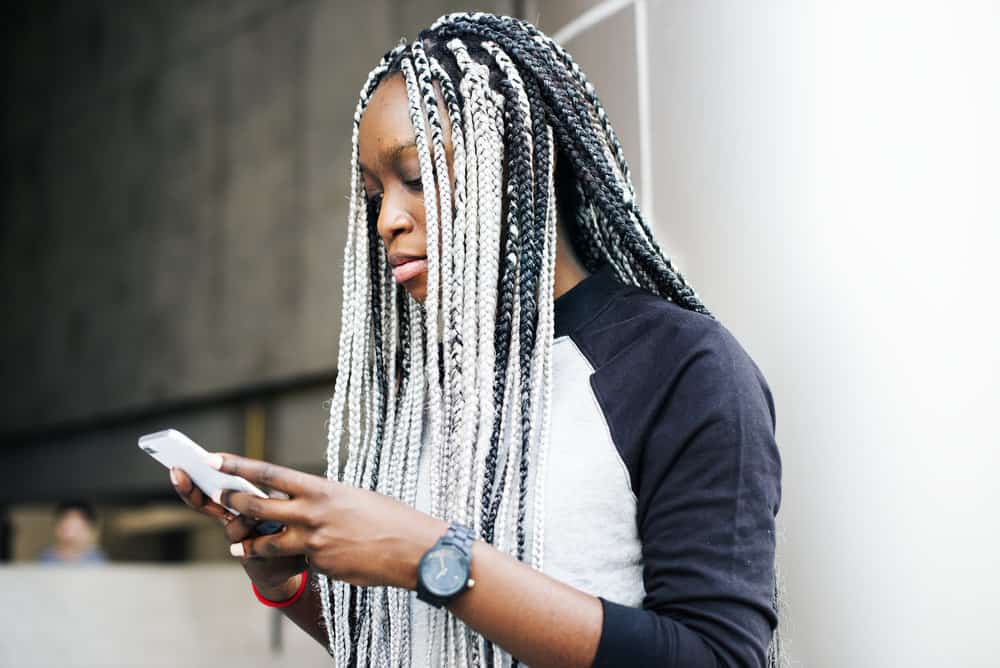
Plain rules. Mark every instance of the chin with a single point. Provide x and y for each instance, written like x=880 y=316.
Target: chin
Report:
x=418 y=288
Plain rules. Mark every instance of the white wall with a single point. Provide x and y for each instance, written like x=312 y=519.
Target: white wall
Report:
x=827 y=174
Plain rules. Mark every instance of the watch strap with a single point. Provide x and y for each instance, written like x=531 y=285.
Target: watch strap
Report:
x=460 y=537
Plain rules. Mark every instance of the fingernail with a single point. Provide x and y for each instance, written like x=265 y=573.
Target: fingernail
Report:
x=215 y=461
x=217 y=496
x=173 y=476
x=236 y=549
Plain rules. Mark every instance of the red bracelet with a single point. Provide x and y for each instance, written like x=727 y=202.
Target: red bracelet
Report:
x=287 y=602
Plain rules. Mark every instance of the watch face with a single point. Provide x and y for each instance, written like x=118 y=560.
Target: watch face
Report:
x=444 y=571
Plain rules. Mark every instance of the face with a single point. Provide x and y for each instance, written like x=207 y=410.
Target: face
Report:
x=390 y=167
x=73 y=529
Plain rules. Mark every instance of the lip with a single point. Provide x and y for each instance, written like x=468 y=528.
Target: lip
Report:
x=396 y=259
x=407 y=267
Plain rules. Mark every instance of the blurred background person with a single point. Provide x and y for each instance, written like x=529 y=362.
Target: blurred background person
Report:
x=76 y=536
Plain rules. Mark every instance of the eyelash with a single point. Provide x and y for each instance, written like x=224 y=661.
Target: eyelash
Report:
x=375 y=201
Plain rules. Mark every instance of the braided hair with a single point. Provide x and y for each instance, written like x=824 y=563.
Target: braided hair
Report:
x=470 y=369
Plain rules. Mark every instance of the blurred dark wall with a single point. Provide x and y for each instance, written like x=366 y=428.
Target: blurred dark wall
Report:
x=174 y=183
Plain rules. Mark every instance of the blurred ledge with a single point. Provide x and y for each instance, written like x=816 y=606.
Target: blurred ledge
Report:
x=229 y=396
x=284 y=422
x=148 y=615
x=156 y=519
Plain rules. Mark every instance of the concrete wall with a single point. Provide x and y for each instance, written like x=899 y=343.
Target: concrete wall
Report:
x=826 y=175
x=174 y=184
x=171 y=226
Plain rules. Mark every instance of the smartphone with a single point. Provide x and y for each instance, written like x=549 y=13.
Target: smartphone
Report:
x=173 y=449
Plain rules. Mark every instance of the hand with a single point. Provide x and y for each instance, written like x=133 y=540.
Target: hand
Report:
x=276 y=579
x=349 y=534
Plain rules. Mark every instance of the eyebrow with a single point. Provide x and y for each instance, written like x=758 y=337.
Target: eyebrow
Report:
x=391 y=155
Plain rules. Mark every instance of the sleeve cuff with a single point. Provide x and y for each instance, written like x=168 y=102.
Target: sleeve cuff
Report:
x=621 y=636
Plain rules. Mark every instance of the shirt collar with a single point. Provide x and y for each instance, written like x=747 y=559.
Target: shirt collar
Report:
x=577 y=305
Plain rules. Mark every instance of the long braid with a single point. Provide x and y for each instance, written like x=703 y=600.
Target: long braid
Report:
x=418 y=89
x=484 y=130
x=534 y=261
x=523 y=257
x=502 y=341
x=544 y=359
x=470 y=321
x=454 y=345
x=458 y=448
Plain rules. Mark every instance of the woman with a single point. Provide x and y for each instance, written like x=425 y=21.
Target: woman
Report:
x=555 y=456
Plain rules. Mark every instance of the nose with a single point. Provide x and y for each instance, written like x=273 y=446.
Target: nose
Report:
x=393 y=220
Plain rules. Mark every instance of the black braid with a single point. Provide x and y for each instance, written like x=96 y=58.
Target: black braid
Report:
x=569 y=197
x=598 y=108
x=374 y=252
x=572 y=123
x=526 y=209
x=404 y=354
x=519 y=198
x=533 y=265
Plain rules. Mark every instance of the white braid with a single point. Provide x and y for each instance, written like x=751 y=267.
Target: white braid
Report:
x=470 y=321
x=543 y=361
x=486 y=129
x=484 y=146
x=460 y=383
x=418 y=337
x=416 y=86
x=444 y=203
x=337 y=632
x=454 y=340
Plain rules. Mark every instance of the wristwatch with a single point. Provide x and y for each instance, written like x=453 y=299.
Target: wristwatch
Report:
x=444 y=569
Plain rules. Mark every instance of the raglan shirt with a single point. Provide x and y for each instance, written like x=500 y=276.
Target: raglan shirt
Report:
x=661 y=481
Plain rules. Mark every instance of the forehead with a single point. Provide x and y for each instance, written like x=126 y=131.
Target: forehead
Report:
x=386 y=120
x=385 y=123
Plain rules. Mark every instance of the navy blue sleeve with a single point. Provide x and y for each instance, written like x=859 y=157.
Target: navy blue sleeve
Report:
x=693 y=419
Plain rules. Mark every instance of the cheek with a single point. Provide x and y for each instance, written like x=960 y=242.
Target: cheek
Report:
x=70 y=529
x=419 y=213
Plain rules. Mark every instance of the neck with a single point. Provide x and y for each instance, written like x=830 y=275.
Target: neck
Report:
x=568 y=270
x=71 y=551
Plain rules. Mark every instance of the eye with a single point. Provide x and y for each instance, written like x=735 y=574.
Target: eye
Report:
x=416 y=185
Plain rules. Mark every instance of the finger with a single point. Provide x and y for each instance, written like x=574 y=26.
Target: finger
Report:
x=240 y=528
x=288 y=511
x=267 y=474
x=288 y=543
x=195 y=498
